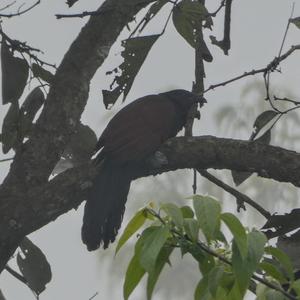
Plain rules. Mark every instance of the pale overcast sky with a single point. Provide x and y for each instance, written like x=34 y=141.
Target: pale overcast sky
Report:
x=257 y=30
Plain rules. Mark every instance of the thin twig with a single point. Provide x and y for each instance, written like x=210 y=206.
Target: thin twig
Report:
x=270 y=66
x=16 y=274
x=240 y=197
x=22 y=47
x=286 y=30
x=211 y=252
x=213 y=14
x=96 y=294
x=21 y=12
x=286 y=99
x=8 y=5
x=6 y=159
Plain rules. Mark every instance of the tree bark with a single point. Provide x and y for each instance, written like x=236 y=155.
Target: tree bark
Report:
x=35 y=159
x=46 y=202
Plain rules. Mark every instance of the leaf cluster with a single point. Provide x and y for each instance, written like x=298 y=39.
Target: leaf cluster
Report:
x=227 y=269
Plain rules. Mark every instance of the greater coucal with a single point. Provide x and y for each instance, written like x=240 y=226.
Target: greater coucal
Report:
x=131 y=136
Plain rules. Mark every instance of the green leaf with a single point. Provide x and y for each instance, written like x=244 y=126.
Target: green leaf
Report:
x=40 y=72
x=162 y=259
x=214 y=279
x=282 y=258
x=207 y=210
x=238 y=232
x=244 y=268
x=187 y=18
x=296 y=287
x=152 y=246
x=274 y=295
x=191 y=227
x=34 y=266
x=174 y=212
x=206 y=261
x=134 y=274
x=187 y=212
x=10 y=128
x=133 y=226
x=135 y=52
x=273 y=271
x=201 y=292
x=135 y=270
x=14 y=75
x=296 y=21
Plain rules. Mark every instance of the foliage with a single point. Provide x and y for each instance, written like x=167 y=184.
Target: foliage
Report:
x=227 y=268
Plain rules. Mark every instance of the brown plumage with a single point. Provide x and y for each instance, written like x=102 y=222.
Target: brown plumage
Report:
x=132 y=135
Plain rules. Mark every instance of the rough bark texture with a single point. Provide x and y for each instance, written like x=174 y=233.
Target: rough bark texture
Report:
x=28 y=201
x=46 y=202
x=67 y=98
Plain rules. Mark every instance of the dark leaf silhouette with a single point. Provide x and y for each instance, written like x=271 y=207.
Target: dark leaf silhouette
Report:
x=10 y=128
x=40 y=72
x=134 y=54
x=34 y=266
x=28 y=110
x=14 y=75
x=240 y=177
x=262 y=120
x=71 y=2
x=187 y=18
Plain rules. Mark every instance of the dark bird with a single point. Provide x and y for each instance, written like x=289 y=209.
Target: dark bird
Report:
x=131 y=136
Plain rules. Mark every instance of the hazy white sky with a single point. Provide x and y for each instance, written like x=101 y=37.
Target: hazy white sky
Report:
x=257 y=30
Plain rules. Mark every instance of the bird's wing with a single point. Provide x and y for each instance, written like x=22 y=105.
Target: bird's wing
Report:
x=139 y=129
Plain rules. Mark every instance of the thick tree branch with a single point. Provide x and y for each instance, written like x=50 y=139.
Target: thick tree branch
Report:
x=44 y=203
x=68 y=95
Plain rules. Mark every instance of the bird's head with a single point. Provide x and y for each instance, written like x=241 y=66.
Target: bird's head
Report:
x=184 y=99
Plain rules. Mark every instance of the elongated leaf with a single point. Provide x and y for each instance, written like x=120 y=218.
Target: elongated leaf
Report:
x=296 y=287
x=10 y=128
x=187 y=212
x=244 y=268
x=2 y=296
x=174 y=213
x=161 y=261
x=191 y=227
x=135 y=52
x=135 y=271
x=214 y=279
x=28 y=110
x=71 y=2
x=152 y=246
x=133 y=226
x=262 y=120
x=240 y=177
x=238 y=232
x=282 y=258
x=134 y=274
x=14 y=75
x=40 y=72
x=187 y=18
x=201 y=292
x=34 y=267
x=273 y=271
x=208 y=211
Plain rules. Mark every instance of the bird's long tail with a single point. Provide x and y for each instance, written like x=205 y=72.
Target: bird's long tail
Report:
x=105 y=205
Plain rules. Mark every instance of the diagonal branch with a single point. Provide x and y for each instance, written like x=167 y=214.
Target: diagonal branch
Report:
x=68 y=94
x=21 y=215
